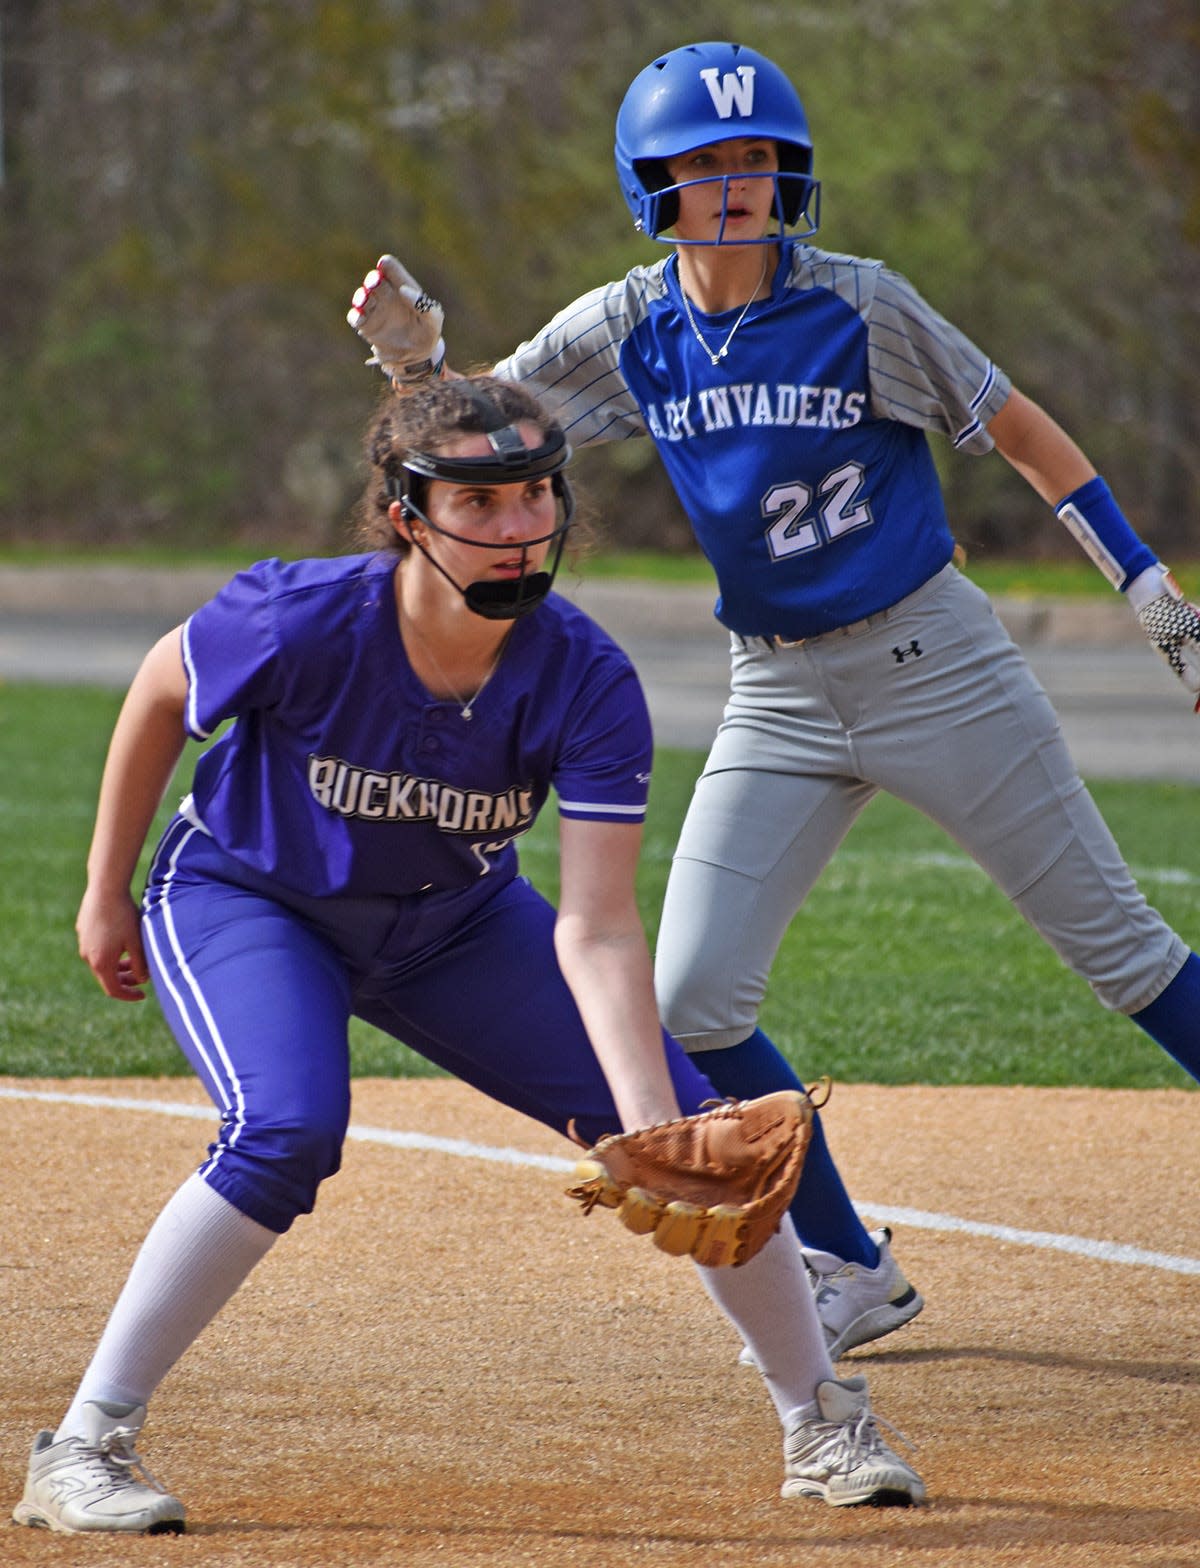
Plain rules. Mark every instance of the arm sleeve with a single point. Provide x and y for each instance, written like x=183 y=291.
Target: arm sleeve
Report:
x=231 y=652
x=925 y=372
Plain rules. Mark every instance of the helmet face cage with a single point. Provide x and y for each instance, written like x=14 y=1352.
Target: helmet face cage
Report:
x=512 y=463
x=699 y=95
x=797 y=197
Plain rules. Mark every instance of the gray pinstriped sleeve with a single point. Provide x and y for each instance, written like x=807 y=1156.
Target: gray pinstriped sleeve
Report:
x=923 y=370
x=572 y=364
x=926 y=372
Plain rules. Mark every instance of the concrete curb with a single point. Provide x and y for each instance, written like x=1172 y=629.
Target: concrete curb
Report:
x=108 y=590
x=170 y=594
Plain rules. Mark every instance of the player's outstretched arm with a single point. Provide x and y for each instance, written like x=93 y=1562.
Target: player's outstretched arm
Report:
x=146 y=744
x=602 y=951
x=1043 y=454
x=402 y=324
x=1039 y=448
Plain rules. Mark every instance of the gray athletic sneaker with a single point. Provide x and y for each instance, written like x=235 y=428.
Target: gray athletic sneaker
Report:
x=88 y=1483
x=855 y=1304
x=835 y=1452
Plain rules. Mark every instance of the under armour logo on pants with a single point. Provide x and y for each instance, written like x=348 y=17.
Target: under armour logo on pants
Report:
x=900 y=654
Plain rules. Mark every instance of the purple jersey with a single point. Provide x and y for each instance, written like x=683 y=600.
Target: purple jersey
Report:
x=342 y=775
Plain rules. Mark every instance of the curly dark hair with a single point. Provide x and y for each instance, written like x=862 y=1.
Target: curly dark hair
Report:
x=425 y=420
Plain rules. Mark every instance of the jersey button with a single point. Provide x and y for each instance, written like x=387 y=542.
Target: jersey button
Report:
x=431 y=743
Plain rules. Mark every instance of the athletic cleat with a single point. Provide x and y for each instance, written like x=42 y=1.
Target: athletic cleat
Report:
x=835 y=1452
x=88 y=1483
x=856 y=1305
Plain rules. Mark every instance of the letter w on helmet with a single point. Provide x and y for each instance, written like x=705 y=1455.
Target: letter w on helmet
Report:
x=733 y=90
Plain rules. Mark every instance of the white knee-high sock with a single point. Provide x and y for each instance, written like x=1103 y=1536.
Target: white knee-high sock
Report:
x=770 y=1302
x=197 y=1253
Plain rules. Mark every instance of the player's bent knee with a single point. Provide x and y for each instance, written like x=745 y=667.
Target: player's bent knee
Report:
x=706 y=1008
x=1103 y=929
x=272 y=1174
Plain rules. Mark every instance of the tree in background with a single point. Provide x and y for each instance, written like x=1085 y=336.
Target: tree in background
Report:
x=190 y=194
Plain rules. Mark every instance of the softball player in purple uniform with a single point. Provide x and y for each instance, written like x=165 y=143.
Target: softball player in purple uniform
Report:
x=348 y=848
x=789 y=392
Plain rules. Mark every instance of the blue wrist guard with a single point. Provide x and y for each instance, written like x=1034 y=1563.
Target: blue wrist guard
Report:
x=1098 y=525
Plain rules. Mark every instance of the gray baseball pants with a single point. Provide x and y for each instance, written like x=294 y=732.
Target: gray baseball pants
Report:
x=932 y=702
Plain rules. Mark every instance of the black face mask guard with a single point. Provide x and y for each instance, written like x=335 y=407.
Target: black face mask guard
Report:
x=512 y=463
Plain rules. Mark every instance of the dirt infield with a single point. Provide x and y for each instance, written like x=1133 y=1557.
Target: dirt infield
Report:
x=449 y=1364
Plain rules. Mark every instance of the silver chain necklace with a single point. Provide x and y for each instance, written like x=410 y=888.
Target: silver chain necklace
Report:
x=724 y=348
x=466 y=705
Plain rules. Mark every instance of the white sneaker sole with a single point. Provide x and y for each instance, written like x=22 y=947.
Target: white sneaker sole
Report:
x=876 y=1322
x=869 y=1325
x=878 y=1497
x=36 y=1519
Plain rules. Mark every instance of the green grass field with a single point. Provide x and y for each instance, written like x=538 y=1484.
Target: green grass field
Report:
x=905 y=966
x=1071 y=577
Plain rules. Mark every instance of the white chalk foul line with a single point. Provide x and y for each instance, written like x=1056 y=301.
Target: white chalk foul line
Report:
x=918 y=1219
x=397 y=1140
x=1102 y=1251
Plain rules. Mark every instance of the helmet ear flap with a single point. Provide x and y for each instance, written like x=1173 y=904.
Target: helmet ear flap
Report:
x=661 y=212
x=795 y=192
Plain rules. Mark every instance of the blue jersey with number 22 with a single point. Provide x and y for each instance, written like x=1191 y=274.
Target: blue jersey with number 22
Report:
x=800 y=456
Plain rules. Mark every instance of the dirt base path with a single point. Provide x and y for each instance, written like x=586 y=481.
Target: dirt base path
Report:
x=449 y=1364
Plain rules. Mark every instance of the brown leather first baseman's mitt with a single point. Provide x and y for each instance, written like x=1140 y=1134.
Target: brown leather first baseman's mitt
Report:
x=715 y=1185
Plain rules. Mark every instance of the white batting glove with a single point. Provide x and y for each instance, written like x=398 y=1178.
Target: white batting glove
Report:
x=400 y=321
x=1169 y=621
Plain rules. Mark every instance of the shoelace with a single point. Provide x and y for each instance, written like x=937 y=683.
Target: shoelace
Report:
x=862 y=1437
x=117 y=1448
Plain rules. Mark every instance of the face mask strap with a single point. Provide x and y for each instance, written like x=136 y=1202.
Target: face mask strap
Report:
x=498 y=601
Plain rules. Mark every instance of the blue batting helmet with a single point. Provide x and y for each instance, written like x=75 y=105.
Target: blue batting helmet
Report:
x=704 y=93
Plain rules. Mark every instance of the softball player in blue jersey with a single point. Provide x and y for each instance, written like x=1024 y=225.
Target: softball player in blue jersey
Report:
x=348 y=848
x=789 y=392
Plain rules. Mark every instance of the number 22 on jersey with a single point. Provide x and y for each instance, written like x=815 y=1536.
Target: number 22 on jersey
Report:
x=802 y=519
